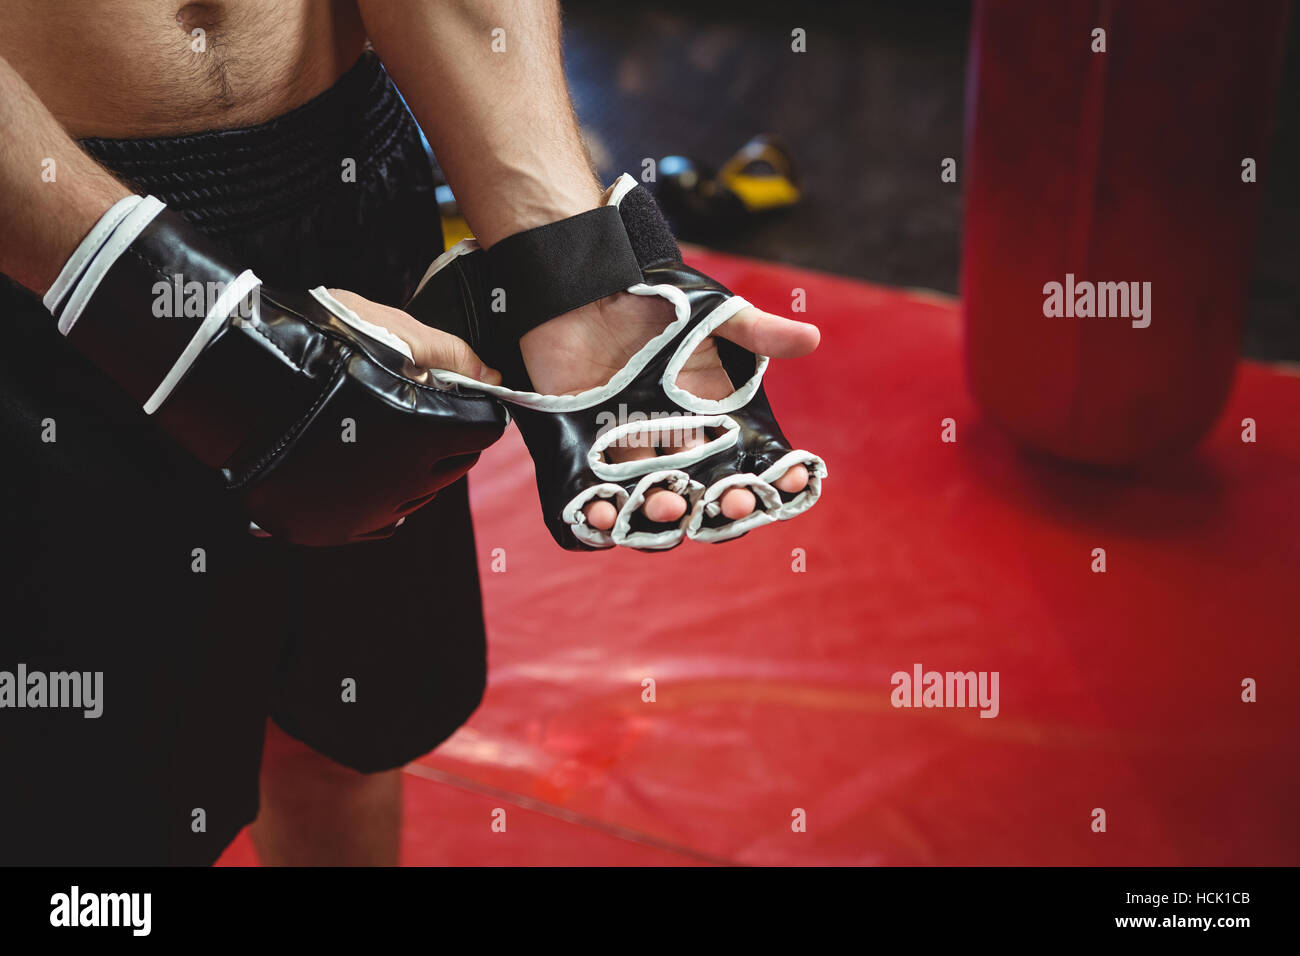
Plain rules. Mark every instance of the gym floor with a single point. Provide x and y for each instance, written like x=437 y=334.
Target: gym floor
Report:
x=868 y=113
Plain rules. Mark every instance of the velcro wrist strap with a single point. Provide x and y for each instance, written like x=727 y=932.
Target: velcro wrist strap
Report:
x=553 y=269
x=652 y=240
x=545 y=272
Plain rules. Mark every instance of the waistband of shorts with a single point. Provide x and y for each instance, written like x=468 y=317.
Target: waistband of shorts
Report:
x=265 y=170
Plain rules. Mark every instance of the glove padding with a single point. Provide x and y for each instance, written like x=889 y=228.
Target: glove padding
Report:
x=624 y=246
x=310 y=412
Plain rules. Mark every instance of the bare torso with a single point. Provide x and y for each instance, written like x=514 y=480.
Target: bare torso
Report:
x=131 y=68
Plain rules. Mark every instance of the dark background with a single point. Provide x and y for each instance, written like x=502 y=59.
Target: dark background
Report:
x=868 y=112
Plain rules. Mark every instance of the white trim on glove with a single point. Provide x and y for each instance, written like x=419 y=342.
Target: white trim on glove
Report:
x=72 y=269
x=348 y=317
x=240 y=287
x=122 y=233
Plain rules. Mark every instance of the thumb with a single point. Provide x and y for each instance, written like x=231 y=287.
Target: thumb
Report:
x=434 y=348
x=767 y=334
x=430 y=347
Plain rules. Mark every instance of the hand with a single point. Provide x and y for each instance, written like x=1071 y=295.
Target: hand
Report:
x=584 y=348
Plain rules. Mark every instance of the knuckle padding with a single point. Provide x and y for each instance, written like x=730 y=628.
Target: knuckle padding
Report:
x=397 y=459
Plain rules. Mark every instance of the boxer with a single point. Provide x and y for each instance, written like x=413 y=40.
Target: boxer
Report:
x=275 y=132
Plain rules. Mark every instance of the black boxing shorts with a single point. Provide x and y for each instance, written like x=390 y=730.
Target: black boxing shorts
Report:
x=148 y=634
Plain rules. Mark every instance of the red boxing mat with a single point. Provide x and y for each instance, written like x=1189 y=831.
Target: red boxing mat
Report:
x=1119 y=691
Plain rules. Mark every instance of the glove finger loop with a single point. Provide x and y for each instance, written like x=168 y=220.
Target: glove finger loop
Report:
x=709 y=507
x=626 y=470
x=577 y=521
x=811 y=492
x=737 y=399
x=664 y=536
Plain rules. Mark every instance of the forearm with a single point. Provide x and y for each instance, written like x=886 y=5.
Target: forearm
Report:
x=51 y=192
x=501 y=123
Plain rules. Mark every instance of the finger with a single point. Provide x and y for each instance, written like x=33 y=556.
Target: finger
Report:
x=634 y=446
x=434 y=348
x=766 y=334
x=795 y=479
x=601 y=514
x=683 y=438
x=737 y=503
x=662 y=505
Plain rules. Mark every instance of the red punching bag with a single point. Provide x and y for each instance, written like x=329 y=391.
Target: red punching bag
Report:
x=1112 y=150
